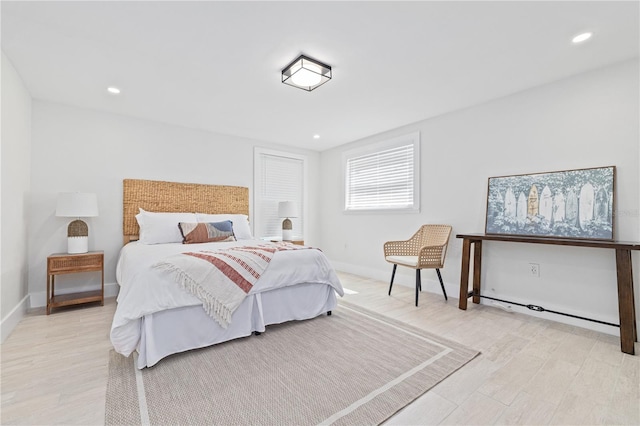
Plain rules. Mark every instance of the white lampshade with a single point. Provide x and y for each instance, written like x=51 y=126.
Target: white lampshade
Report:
x=287 y=209
x=77 y=204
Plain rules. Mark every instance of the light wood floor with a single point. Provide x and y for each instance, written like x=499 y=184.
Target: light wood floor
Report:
x=531 y=371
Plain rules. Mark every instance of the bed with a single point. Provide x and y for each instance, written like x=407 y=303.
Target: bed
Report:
x=158 y=317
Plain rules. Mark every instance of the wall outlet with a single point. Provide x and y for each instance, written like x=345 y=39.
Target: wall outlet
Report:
x=534 y=270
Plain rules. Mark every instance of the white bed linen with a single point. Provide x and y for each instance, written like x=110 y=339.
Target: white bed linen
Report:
x=145 y=290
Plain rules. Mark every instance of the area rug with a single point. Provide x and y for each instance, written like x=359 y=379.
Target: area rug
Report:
x=353 y=367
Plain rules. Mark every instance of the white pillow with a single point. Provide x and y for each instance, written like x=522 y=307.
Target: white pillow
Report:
x=241 y=227
x=160 y=228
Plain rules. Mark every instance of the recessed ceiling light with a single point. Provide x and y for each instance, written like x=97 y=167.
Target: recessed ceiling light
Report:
x=582 y=37
x=113 y=90
x=316 y=136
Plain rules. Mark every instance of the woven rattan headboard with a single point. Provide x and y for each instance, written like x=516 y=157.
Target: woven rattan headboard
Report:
x=159 y=196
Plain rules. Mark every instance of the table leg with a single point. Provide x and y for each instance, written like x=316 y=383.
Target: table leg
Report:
x=464 y=274
x=102 y=289
x=477 y=266
x=49 y=292
x=626 y=303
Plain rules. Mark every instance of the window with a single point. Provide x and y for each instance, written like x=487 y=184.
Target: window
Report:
x=384 y=176
x=278 y=176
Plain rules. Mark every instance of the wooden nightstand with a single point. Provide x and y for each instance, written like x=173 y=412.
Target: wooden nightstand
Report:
x=64 y=263
x=297 y=242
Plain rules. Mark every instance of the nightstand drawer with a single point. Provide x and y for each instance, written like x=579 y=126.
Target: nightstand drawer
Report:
x=75 y=263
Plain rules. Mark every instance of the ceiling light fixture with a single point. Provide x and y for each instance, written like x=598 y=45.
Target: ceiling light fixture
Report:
x=113 y=90
x=581 y=37
x=306 y=73
x=316 y=136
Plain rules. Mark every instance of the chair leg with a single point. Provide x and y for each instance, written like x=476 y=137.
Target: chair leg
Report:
x=393 y=274
x=442 y=284
x=418 y=284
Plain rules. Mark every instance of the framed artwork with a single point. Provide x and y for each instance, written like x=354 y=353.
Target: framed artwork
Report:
x=563 y=204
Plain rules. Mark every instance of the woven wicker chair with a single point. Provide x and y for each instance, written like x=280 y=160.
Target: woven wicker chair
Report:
x=425 y=250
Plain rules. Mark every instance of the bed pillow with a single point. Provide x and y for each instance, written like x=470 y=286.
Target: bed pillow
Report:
x=193 y=233
x=241 y=228
x=161 y=228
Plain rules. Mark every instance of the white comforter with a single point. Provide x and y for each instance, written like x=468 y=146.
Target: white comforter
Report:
x=145 y=290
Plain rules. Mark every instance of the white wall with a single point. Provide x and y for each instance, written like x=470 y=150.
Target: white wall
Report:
x=81 y=150
x=15 y=168
x=588 y=120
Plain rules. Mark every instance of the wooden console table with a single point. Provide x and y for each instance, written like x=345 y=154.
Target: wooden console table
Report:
x=626 y=306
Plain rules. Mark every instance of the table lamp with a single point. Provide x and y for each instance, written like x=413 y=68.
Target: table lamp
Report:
x=287 y=209
x=77 y=204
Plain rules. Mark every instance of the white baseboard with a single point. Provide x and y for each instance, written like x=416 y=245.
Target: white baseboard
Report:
x=404 y=276
x=39 y=298
x=577 y=322
x=10 y=321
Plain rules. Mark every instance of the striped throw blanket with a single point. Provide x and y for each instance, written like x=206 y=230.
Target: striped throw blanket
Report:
x=221 y=279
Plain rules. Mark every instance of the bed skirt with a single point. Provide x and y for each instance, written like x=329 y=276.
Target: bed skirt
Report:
x=177 y=330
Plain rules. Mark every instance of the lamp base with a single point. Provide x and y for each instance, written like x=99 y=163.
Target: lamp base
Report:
x=287 y=230
x=77 y=245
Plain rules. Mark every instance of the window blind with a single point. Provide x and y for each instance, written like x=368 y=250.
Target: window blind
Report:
x=381 y=180
x=280 y=178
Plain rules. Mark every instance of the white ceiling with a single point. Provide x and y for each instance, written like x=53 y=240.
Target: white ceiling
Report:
x=216 y=65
